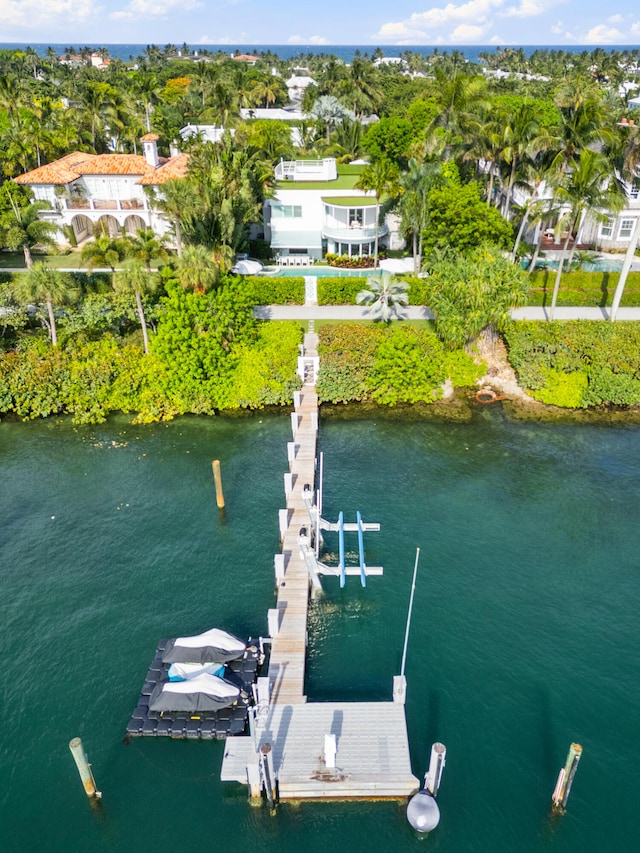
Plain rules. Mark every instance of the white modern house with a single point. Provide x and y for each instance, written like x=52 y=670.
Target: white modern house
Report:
x=317 y=209
x=103 y=193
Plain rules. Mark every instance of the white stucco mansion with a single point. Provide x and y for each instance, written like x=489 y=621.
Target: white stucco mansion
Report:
x=317 y=209
x=103 y=193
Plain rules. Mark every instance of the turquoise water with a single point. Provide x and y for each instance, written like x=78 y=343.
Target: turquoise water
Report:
x=525 y=630
x=320 y=272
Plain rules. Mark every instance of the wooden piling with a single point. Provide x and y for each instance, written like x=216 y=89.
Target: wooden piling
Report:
x=84 y=768
x=217 y=477
x=565 y=779
x=268 y=774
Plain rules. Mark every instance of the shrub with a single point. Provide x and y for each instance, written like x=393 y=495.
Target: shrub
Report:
x=340 y=290
x=277 y=290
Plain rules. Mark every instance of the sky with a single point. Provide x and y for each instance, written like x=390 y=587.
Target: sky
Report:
x=358 y=22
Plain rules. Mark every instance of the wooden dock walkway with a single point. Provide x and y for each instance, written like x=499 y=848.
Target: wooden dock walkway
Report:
x=370 y=757
x=289 y=648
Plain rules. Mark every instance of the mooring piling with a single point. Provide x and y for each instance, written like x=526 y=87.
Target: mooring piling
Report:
x=565 y=779
x=84 y=768
x=217 y=477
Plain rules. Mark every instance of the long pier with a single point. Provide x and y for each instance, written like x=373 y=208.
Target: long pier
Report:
x=313 y=750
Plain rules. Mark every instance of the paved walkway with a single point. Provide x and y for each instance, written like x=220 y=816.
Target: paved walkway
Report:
x=419 y=312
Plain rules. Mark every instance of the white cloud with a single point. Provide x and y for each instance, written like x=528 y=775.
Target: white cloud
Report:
x=602 y=34
x=154 y=8
x=615 y=19
x=496 y=40
x=54 y=14
x=635 y=28
x=557 y=28
x=474 y=13
x=526 y=9
x=468 y=33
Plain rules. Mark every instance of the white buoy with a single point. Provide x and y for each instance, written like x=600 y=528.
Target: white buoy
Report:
x=422 y=812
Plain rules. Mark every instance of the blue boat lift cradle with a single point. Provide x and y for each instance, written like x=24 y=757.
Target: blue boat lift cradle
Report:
x=311 y=542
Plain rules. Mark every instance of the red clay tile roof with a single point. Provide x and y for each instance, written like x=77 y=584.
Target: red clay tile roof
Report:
x=173 y=168
x=61 y=171
x=72 y=166
x=150 y=137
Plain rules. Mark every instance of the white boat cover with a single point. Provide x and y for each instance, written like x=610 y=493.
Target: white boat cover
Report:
x=247 y=268
x=202 y=693
x=185 y=671
x=214 y=646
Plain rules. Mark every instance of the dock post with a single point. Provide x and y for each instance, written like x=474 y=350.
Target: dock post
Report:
x=565 y=779
x=268 y=774
x=217 y=477
x=84 y=768
x=436 y=766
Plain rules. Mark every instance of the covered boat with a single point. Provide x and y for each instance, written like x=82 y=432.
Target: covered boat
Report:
x=185 y=671
x=202 y=693
x=214 y=646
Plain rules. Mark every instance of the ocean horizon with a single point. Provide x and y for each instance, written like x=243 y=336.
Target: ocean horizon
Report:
x=130 y=52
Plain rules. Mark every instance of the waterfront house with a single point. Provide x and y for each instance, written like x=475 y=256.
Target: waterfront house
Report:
x=317 y=209
x=90 y=194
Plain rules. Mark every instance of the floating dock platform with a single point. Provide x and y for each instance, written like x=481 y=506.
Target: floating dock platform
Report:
x=202 y=725
x=313 y=750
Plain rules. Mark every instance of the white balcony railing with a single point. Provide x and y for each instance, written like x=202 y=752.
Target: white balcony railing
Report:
x=351 y=234
x=307 y=170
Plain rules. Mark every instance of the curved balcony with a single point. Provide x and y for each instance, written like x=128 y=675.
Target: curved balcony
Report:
x=351 y=234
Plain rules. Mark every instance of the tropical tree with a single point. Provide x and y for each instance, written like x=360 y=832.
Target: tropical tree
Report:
x=385 y=295
x=413 y=205
x=104 y=251
x=146 y=247
x=589 y=189
x=136 y=278
x=379 y=177
x=174 y=201
x=40 y=284
x=629 y=169
x=198 y=269
x=22 y=228
x=330 y=111
x=460 y=99
x=473 y=292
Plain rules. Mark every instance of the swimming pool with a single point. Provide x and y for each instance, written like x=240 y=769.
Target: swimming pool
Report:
x=319 y=272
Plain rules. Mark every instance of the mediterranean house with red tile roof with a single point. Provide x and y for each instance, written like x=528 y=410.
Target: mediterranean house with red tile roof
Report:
x=104 y=193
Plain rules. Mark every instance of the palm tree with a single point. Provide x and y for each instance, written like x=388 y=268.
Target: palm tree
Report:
x=386 y=295
x=41 y=284
x=174 y=202
x=379 y=177
x=629 y=170
x=198 y=269
x=146 y=247
x=459 y=98
x=413 y=206
x=589 y=189
x=330 y=111
x=136 y=278
x=104 y=251
x=21 y=228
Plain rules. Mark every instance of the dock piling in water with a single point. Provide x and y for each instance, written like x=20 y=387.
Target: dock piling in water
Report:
x=217 y=477
x=565 y=779
x=84 y=768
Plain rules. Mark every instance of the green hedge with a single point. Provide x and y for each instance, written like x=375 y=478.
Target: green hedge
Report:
x=578 y=364
x=341 y=290
x=276 y=290
x=589 y=289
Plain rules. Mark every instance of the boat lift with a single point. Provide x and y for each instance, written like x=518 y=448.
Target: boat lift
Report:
x=311 y=541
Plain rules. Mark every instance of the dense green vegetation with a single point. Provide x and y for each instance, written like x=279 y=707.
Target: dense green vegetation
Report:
x=577 y=364
x=451 y=148
x=389 y=364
